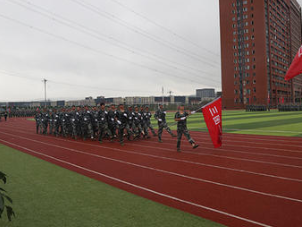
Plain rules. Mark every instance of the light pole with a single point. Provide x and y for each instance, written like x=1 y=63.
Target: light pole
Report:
x=163 y=95
x=44 y=81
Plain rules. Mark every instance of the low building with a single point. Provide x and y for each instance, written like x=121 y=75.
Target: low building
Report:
x=206 y=93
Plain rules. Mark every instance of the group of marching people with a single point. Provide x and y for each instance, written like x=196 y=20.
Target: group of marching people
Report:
x=101 y=122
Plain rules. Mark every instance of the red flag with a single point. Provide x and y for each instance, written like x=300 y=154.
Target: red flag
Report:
x=212 y=116
x=296 y=67
x=282 y=100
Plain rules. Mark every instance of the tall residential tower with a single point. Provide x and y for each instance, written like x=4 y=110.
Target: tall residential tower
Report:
x=259 y=39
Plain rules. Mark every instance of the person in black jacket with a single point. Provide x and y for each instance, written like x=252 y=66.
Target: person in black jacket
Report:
x=5 y=115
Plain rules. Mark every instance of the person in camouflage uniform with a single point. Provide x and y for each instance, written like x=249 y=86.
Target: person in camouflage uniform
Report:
x=143 y=123
x=51 y=122
x=94 y=121
x=87 y=124
x=112 y=120
x=5 y=115
x=181 y=119
x=64 y=119
x=38 y=118
x=137 y=123
x=160 y=116
x=103 y=123
x=56 y=122
x=130 y=118
x=45 y=120
x=147 y=119
x=122 y=121
x=76 y=119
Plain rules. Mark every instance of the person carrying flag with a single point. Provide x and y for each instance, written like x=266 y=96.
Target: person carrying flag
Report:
x=181 y=119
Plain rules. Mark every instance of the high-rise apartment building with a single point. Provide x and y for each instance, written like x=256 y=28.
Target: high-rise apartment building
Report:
x=259 y=39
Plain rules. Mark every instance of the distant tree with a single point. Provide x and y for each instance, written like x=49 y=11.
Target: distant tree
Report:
x=4 y=199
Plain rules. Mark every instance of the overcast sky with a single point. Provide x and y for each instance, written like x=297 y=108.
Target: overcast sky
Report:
x=104 y=48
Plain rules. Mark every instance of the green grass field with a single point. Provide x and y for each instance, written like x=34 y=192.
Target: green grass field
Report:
x=46 y=195
x=260 y=123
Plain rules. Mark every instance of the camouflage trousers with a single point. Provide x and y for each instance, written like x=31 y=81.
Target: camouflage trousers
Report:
x=122 y=128
x=87 y=131
x=148 y=126
x=103 y=130
x=138 y=129
x=182 y=130
x=51 y=127
x=76 y=130
x=161 y=127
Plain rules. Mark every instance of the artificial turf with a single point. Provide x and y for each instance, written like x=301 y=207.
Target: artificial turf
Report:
x=239 y=121
x=46 y=195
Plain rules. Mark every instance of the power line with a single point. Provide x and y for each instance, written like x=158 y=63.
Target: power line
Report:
x=4 y=72
x=162 y=27
x=80 y=28
x=110 y=37
x=100 y=88
x=101 y=52
x=138 y=30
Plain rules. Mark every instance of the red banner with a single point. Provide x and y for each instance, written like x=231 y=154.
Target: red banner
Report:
x=212 y=116
x=296 y=67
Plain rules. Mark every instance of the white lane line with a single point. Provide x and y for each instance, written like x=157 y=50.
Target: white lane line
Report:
x=256 y=137
x=247 y=136
x=184 y=161
x=243 y=146
x=223 y=157
x=232 y=145
x=140 y=187
x=176 y=160
x=254 y=130
x=226 y=157
x=165 y=172
x=241 y=152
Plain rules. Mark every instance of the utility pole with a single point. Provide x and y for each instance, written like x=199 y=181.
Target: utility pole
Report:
x=170 y=93
x=163 y=93
x=44 y=81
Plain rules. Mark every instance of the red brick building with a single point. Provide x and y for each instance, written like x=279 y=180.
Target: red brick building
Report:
x=259 y=39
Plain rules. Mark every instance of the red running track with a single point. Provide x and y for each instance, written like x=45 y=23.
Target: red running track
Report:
x=251 y=181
